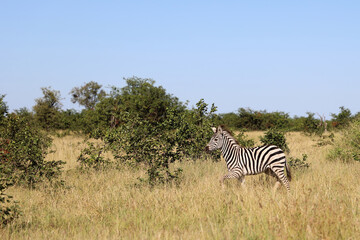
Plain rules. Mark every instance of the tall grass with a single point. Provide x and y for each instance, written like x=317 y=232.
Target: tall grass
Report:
x=323 y=203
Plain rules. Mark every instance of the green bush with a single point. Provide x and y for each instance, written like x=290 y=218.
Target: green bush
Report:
x=3 y=108
x=139 y=141
x=342 y=119
x=244 y=141
x=91 y=157
x=194 y=130
x=9 y=209
x=47 y=109
x=262 y=120
x=299 y=163
x=230 y=119
x=182 y=134
x=310 y=124
x=347 y=148
x=166 y=134
x=24 y=148
x=275 y=137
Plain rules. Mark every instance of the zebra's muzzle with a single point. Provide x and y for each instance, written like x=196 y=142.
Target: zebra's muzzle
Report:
x=207 y=149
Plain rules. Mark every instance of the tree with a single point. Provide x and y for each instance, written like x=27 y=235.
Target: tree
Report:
x=47 y=108
x=343 y=118
x=3 y=108
x=87 y=95
x=262 y=120
x=230 y=119
x=142 y=124
x=141 y=97
x=310 y=124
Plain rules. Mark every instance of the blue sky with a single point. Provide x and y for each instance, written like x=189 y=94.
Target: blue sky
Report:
x=291 y=56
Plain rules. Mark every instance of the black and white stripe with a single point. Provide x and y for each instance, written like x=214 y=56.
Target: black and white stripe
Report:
x=249 y=161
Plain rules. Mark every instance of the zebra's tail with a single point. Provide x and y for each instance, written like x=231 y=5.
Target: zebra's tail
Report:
x=288 y=172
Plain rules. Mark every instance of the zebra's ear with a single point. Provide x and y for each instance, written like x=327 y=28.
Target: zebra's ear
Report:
x=219 y=130
x=214 y=129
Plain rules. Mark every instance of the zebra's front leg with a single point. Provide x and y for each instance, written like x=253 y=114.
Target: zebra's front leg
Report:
x=242 y=180
x=232 y=174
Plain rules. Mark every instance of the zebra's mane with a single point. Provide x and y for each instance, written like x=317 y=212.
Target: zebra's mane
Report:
x=229 y=134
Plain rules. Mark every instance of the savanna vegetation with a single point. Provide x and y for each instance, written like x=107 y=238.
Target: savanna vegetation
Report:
x=131 y=165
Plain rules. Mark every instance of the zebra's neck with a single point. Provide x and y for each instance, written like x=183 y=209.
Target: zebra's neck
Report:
x=229 y=146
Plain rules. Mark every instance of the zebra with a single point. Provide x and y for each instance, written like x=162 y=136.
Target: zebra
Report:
x=240 y=162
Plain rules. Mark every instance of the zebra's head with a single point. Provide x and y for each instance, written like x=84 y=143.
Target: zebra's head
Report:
x=216 y=140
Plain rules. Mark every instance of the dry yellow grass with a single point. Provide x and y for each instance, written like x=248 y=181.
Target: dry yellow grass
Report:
x=323 y=203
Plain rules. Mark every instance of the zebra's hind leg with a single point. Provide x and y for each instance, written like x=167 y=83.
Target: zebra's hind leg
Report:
x=279 y=172
x=276 y=186
x=270 y=172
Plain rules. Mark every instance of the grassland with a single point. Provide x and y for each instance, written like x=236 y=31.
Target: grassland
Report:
x=324 y=202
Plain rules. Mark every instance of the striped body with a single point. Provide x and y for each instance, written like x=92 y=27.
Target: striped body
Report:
x=249 y=161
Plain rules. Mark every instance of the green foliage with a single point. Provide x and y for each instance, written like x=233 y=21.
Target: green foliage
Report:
x=299 y=164
x=347 y=148
x=230 y=120
x=71 y=120
x=256 y=120
x=140 y=141
x=138 y=98
x=47 y=109
x=9 y=210
x=145 y=126
x=23 y=151
x=194 y=129
x=142 y=98
x=310 y=124
x=157 y=145
x=90 y=157
x=87 y=95
x=341 y=119
x=275 y=137
x=137 y=124
x=244 y=141
x=25 y=113
x=3 y=108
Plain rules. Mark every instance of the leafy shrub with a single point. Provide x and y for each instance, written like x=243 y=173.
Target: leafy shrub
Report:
x=70 y=120
x=347 y=148
x=299 y=164
x=23 y=151
x=158 y=145
x=275 y=137
x=342 y=119
x=9 y=210
x=141 y=142
x=145 y=126
x=310 y=124
x=244 y=141
x=230 y=119
x=47 y=109
x=3 y=108
x=90 y=157
x=194 y=130
x=262 y=120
